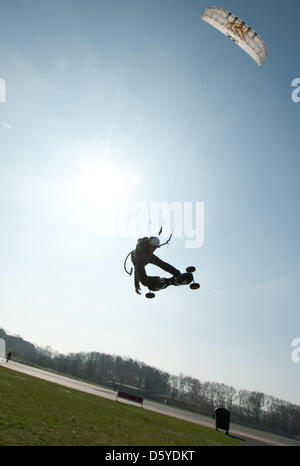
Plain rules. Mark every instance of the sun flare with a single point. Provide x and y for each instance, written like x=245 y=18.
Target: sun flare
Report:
x=102 y=185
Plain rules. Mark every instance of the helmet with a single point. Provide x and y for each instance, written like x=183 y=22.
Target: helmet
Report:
x=154 y=242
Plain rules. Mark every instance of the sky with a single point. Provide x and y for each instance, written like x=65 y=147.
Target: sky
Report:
x=109 y=108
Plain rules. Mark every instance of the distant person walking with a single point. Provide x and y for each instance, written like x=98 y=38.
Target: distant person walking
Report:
x=8 y=356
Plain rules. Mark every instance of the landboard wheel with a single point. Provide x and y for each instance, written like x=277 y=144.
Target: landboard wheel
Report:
x=150 y=295
x=190 y=269
x=194 y=286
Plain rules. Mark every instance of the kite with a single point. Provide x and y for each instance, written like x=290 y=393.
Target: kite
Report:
x=238 y=31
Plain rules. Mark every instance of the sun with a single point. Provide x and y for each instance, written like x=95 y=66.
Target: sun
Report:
x=102 y=185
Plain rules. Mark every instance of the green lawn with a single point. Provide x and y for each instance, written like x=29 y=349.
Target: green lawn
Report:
x=36 y=412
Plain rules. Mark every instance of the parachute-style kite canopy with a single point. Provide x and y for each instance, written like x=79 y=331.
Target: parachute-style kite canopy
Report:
x=238 y=31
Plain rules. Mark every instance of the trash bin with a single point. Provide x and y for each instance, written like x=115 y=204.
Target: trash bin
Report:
x=222 y=419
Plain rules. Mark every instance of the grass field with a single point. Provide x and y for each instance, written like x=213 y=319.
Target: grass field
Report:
x=36 y=412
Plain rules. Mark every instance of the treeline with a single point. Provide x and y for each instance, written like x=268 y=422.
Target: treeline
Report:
x=247 y=407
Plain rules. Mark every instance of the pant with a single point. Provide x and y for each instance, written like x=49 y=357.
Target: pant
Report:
x=154 y=283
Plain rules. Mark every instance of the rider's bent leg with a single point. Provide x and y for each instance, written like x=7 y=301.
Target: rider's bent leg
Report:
x=155 y=283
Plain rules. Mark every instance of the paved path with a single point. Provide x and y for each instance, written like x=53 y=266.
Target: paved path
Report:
x=247 y=435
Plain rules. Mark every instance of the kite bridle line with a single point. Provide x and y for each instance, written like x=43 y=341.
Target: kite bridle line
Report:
x=179 y=163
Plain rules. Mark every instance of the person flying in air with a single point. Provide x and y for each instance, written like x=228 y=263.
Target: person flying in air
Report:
x=143 y=255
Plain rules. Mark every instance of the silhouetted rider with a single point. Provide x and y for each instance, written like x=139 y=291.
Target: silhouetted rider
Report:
x=143 y=255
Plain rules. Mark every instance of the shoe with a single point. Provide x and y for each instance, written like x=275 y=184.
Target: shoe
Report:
x=162 y=283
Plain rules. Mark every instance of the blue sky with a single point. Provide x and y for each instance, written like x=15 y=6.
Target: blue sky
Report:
x=179 y=113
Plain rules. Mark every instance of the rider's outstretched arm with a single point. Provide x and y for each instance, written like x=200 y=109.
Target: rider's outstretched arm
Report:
x=164 y=265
